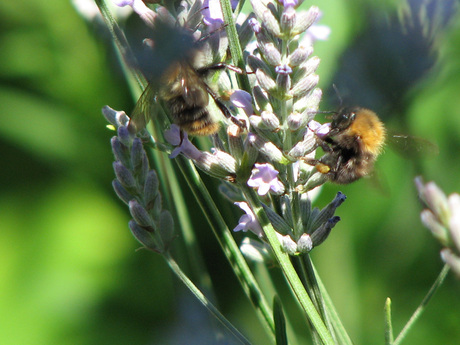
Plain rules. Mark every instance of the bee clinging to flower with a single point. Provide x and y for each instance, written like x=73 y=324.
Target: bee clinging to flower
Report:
x=177 y=76
x=353 y=143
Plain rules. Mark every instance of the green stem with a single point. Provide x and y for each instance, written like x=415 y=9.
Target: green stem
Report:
x=225 y=238
x=417 y=313
x=234 y=44
x=286 y=266
x=202 y=298
x=123 y=49
x=388 y=323
x=315 y=291
x=340 y=331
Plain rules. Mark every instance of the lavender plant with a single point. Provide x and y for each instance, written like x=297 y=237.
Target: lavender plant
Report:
x=259 y=157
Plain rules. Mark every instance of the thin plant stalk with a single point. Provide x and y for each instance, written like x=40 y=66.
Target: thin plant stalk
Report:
x=202 y=298
x=287 y=267
x=418 y=312
x=225 y=239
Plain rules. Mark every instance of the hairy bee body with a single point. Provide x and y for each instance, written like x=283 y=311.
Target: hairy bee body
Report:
x=187 y=97
x=354 y=142
x=177 y=71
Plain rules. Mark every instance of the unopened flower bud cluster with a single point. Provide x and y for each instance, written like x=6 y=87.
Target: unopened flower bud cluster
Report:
x=442 y=217
x=137 y=186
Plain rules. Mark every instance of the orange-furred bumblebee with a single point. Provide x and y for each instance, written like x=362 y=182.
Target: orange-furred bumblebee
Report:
x=176 y=78
x=353 y=143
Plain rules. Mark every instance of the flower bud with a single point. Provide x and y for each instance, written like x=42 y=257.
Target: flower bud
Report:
x=438 y=231
x=120 y=151
x=259 y=7
x=255 y=25
x=140 y=215
x=315 y=180
x=271 y=54
x=287 y=243
x=226 y=161
x=327 y=212
x=304 y=244
x=304 y=147
x=144 y=237
x=256 y=63
x=283 y=80
x=235 y=142
x=300 y=55
x=265 y=81
x=116 y=118
x=150 y=187
x=137 y=153
x=271 y=23
x=288 y=20
x=260 y=98
x=166 y=229
x=267 y=148
x=448 y=256
x=124 y=136
x=309 y=103
x=320 y=235
x=220 y=165
x=123 y=175
x=121 y=192
x=269 y=120
x=305 y=20
x=305 y=85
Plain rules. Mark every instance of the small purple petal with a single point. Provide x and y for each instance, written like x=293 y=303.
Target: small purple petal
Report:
x=123 y=3
x=242 y=99
x=323 y=130
x=265 y=178
x=248 y=221
x=283 y=69
x=173 y=136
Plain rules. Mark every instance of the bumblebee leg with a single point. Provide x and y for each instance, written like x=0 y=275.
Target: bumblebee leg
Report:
x=223 y=108
x=221 y=66
x=320 y=166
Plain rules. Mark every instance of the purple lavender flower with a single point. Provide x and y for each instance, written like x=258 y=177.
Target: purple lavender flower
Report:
x=173 y=136
x=242 y=99
x=264 y=177
x=248 y=221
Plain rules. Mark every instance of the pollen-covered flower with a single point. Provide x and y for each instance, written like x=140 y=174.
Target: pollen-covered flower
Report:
x=248 y=221
x=264 y=177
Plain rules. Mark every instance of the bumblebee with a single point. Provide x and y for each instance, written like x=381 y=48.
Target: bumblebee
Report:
x=352 y=145
x=175 y=78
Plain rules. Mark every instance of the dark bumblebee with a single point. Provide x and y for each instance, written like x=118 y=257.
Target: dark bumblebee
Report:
x=175 y=78
x=354 y=142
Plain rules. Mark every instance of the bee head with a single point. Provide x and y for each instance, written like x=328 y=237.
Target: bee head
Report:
x=344 y=118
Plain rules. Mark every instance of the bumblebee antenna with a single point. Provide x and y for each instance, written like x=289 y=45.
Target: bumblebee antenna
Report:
x=337 y=93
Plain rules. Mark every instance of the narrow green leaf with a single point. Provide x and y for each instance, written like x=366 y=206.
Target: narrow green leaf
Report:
x=280 y=322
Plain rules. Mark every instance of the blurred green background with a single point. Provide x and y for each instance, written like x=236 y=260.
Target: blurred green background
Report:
x=69 y=269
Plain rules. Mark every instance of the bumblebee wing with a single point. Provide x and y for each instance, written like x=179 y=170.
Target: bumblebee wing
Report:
x=143 y=109
x=412 y=147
